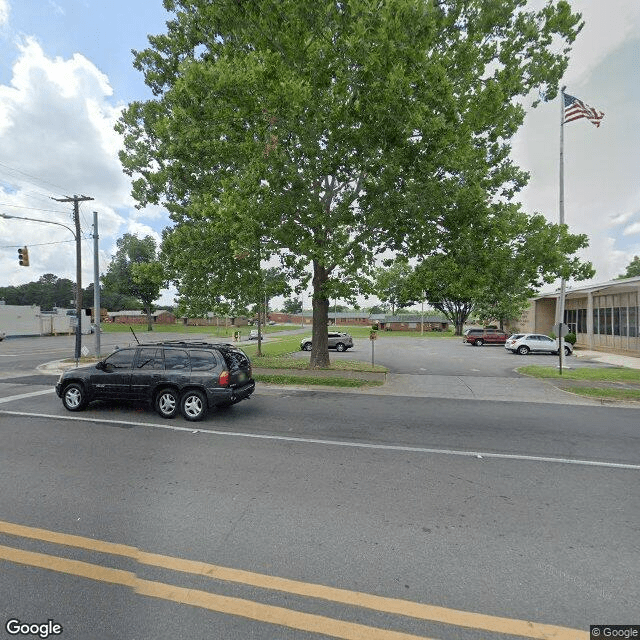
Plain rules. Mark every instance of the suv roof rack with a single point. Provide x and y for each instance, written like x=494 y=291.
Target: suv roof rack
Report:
x=185 y=343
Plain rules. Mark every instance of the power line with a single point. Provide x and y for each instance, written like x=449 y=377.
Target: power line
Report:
x=21 y=206
x=35 y=244
x=28 y=175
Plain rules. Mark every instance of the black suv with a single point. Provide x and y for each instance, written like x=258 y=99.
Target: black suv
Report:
x=186 y=376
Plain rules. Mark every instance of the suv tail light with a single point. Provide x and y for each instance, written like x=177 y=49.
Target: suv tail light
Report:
x=223 y=380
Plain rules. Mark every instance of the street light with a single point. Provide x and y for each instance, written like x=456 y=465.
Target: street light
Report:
x=78 y=283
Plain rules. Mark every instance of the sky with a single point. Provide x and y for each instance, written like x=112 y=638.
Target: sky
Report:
x=66 y=73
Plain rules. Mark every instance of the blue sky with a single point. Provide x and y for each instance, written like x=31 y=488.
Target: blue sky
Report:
x=66 y=72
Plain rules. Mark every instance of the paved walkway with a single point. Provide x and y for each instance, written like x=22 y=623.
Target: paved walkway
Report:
x=633 y=362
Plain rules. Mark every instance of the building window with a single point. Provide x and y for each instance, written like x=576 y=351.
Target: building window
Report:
x=582 y=321
x=633 y=322
x=570 y=319
x=623 y=321
x=607 y=320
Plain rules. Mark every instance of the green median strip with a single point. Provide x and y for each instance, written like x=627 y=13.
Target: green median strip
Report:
x=605 y=394
x=596 y=374
x=315 y=380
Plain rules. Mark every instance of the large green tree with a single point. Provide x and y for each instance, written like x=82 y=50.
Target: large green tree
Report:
x=330 y=131
x=495 y=262
x=135 y=271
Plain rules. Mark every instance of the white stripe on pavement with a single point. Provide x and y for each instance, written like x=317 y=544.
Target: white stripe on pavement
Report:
x=339 y=443
x=31 y=394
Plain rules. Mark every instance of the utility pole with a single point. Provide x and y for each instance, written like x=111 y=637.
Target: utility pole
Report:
x=96 y=281
x=76 y=219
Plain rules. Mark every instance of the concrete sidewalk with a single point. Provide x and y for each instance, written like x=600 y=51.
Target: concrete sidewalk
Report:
x=633 y=362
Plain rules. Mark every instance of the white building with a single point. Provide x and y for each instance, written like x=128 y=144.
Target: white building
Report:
x=603 y=316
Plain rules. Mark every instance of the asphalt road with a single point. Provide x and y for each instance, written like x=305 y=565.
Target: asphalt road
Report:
x=494 y=514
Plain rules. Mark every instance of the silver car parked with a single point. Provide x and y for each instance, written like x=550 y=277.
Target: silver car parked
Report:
x=337 y=341
x=524 y=343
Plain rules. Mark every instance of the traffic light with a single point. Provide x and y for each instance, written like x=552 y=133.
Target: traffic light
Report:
x=23 y=257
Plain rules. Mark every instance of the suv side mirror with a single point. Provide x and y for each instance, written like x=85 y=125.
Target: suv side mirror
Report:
x=100 y=365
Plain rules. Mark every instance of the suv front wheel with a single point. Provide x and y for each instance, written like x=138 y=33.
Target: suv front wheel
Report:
x=167 y=402
x=479 y=342
x=306 y=346
x=193 y=405
x=74 y=397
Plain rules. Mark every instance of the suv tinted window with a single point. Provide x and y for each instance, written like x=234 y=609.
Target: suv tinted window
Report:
x=202 y=360
x=121 y=359
x=236 y=359
x=176 y=359
x=150 y=359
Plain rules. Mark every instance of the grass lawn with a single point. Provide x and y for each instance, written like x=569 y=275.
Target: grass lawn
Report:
x=607 y=377
x=219 y=332
x=603 y=374
x=312 y=380
x=606 y=394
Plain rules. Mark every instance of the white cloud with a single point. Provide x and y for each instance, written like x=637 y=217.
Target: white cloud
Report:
x=607 y=26
x=56 y=8
x=620 y=218
x=4 y=12
x=56 y=124
x=632 y=229
x=142 y=230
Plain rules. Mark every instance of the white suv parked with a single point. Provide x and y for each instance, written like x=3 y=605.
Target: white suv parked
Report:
x=524 y=343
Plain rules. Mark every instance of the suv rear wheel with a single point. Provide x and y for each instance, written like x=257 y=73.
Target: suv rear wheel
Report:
x=167 y=402
x=193 y=405
x=523 y=350
x=306 y=346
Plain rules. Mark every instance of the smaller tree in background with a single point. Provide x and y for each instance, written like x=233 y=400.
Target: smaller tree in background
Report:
x=633 y=269
x=391 y=285
x=135 y=271
x=292 y=306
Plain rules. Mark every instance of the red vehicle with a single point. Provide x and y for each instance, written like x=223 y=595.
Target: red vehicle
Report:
x=478 y=337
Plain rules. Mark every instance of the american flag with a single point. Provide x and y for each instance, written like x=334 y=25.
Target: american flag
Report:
x=575 y=109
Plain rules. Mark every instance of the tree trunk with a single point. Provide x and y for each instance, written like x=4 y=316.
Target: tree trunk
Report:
x=320 y=341
x=149 y=323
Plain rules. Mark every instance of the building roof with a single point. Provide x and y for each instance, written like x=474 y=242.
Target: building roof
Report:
x=621 y=285
x=413 y=318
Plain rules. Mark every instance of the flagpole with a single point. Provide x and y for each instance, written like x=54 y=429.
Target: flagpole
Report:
x=561 y=208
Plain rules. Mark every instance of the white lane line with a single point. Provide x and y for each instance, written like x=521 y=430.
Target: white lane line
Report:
x=31 y=394
x=337 y=443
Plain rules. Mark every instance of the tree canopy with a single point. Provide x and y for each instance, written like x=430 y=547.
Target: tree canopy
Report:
x=324 y=133
x=391 y=285
x=492 y=263
x=136 y=272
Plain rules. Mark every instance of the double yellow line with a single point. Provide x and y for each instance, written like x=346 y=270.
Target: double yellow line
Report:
x=254 y=610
